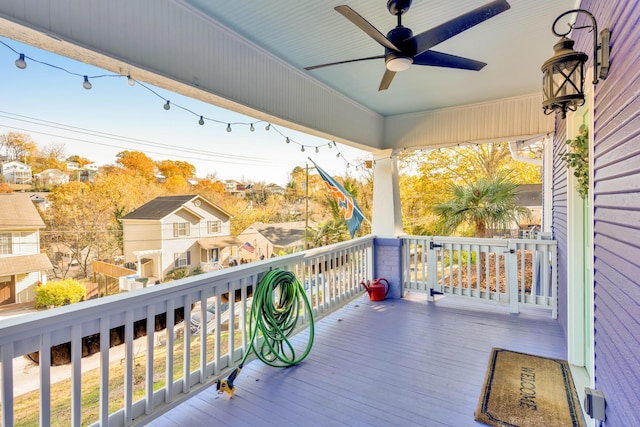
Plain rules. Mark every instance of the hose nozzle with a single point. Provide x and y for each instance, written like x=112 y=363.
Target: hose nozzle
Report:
x=227 y=385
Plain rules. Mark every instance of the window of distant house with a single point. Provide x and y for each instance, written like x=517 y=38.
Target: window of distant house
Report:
x=182 y=259
x=6 y=244
x=214 y=226
x=180 y=229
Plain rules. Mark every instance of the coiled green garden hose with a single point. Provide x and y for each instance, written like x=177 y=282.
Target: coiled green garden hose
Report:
x=273 y=317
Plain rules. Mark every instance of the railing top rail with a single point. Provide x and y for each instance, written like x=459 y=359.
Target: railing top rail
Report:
x=480 y=240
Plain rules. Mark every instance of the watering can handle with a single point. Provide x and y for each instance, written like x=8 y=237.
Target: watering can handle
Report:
x=386 y=285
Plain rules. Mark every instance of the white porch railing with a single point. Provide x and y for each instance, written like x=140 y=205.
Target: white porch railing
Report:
x=513 y=271
x=141 y=382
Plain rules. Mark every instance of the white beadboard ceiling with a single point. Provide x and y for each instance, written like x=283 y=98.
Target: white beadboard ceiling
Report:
x=249 y=56
x=303 y=33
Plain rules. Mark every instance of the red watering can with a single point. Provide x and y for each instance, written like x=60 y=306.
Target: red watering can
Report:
x=376 y=289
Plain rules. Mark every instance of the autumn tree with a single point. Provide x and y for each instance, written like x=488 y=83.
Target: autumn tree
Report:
x=170 y=168
x=5 y=187
x=138 y=162
x=49 y=157
x=210 y=190
x=18 y=146
x=81 y=161
x=427 y=175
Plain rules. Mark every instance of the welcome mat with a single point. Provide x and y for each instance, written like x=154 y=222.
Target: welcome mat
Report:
x=523 y=390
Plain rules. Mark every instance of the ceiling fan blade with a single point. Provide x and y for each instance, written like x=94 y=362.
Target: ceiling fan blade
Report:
x=436 y=35
x=439 y=59
x=343 y=62
x=386 y=79
x=365 y=26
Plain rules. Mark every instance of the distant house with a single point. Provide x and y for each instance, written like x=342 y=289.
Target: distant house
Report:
x=16 y=172
x=177 y=231
x=51 y=178
x=234 y=188
x=22 y=266
x=40 y=200
x=267 y=240
x=530 y=197
x=274 y=189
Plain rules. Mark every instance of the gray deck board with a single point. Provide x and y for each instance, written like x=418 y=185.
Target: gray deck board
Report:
x=398 y=362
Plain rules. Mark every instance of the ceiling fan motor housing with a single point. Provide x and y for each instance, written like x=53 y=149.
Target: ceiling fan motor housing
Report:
x=398 y=7
x=402 y=38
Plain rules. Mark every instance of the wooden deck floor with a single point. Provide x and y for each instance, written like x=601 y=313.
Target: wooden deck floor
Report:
x=392 y=363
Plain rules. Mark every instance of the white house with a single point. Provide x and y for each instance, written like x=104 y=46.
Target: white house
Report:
x=22 y=266
x=16 y=172
x=177 y=231
x=51 y=178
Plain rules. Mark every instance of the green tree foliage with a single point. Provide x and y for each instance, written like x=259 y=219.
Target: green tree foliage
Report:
x=426 y=178
x=488 y=203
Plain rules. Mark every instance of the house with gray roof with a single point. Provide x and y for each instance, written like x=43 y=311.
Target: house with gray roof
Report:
x=177 y=231
x=22 y=266
x=267 y=240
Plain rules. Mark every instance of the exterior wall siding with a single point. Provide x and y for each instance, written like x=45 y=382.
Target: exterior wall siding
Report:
x=559 y=218
x=616 y=192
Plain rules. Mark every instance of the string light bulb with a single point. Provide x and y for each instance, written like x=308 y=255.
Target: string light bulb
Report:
x=287 y=140
x=131 y=81
x=20 y=62
x=167 y=105
x=86 y=84
x=338 y=155
x=228 y=127
x=251 y=128
x=201 y=121
x=317 y=150
x=267 y=127
x=302 y=149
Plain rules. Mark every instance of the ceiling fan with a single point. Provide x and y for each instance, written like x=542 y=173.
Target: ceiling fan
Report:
x=402 y=48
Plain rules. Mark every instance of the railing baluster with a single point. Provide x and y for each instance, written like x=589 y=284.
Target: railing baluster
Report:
x=151 y=324
x=169 y=343
x=45 y=379
x=76 y=375
x=104 y=370
x=128 y=366
x=6 y=353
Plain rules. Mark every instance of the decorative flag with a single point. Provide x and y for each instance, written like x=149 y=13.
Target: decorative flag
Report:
x=248 y=247
x=346 y=202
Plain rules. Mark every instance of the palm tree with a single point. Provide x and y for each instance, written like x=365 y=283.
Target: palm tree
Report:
x=490 y=202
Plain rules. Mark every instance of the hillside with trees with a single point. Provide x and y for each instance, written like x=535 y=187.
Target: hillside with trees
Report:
x=84 y=215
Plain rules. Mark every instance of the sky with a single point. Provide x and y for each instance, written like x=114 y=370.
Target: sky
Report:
x=49 y=103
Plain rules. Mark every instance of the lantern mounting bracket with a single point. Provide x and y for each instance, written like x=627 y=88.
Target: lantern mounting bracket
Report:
x=600 y=65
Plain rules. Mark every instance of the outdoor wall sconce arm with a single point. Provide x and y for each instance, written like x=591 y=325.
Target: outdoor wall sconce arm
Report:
x=564 y=73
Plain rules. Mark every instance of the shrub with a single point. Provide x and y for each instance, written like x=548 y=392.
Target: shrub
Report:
x=178 y=273
x=59 y=293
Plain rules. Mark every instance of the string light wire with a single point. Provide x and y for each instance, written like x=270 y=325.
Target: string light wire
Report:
x=168 y=104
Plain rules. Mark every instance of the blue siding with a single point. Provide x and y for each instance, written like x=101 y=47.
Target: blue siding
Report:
x=559 y=214
x=617 y=212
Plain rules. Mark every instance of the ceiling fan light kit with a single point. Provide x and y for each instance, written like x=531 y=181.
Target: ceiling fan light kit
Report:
x=402 y=48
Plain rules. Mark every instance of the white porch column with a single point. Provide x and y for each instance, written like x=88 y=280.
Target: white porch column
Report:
x=387 y=216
